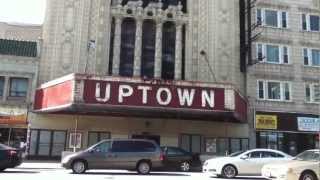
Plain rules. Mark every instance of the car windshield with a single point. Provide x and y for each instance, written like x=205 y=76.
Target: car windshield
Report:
x=308 y=156
x=236 y=154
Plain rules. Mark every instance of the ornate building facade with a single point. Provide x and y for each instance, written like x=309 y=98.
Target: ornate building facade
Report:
x=167 y=70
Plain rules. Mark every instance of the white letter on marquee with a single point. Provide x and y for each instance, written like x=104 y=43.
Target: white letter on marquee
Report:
x=98 y=93
x=186 y=96
x=145 y=90
x=169 y=96
x=207 y=99
x=122 y=93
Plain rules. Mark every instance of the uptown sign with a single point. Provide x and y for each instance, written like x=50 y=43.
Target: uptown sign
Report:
x=153 y=95
x=97 y=95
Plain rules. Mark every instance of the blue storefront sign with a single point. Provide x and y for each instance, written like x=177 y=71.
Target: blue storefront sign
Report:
x=309 y=124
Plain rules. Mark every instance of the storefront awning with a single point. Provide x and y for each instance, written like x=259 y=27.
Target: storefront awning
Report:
x=106 y=95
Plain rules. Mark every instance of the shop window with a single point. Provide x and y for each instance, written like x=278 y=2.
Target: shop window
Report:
x=191 y=143
x=75 y=140
x=14 y=137
x=310 y=22
x=95 y=137
x=1 y=86
x=273 y=53
x=44 y=143
x=58 y=143
x=272 y=18
x=47 y=143
x=224 y=146
x=270 y=140
x=18 y=87
x=235 y=145
x=211 y=145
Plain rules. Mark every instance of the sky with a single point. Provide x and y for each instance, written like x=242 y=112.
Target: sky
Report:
x=22 y=11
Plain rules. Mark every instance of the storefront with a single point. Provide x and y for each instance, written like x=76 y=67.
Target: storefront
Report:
x=13 y=130
x=76 y=111
x=289 y=132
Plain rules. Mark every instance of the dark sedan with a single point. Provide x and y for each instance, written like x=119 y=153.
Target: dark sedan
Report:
x=179 y=159
x=9 y=157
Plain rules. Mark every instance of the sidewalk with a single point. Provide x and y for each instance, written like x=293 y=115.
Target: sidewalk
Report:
x=40 y=164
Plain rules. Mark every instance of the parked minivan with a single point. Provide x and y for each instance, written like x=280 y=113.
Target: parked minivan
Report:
x=130 y=154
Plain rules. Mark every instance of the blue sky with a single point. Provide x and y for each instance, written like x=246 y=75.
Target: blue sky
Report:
x=22 y=11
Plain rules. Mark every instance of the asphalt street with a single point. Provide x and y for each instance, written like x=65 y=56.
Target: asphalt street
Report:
x=51 y=170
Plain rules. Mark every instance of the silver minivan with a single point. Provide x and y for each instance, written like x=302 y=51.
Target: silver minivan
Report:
x=128 y=154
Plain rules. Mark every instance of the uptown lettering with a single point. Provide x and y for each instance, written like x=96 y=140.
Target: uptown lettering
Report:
x=163 y=95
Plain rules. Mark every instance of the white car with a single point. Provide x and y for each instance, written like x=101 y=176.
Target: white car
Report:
x=305 y=166
x=243 y=163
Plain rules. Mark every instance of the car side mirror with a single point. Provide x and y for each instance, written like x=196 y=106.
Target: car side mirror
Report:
x=91 y=150
x=244 y=157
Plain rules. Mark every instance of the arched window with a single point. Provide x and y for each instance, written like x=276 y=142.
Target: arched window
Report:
x=111 y=46
x=168 y=50
x=148 y=48
x=128 y=31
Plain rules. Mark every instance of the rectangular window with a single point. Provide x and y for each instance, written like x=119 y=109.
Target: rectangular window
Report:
x=95 y=137
x=285 y=55
x=286 y=91
x=308 y=93
x=191 y=143
x=272 y=18
x=310 y=22
x=261 y=89
x=316 y=93
x=313 y=93
x=260 y=52
x=273 y=53
x=284 y=17
x=211 y=145
x=274 y=90
x=259 y=17
x=75 y=140
x=18 y=87
x=315 y=57
x=314 y=23
x=1 y=86
x=305 y=56
x=304 y=22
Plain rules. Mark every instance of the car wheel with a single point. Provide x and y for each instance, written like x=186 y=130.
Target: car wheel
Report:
x=308 y=176
x=229 y=171
x=185 y=166
x=79 y=167
x=143 y=167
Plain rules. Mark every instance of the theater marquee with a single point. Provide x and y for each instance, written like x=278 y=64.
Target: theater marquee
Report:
x=98 y=95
